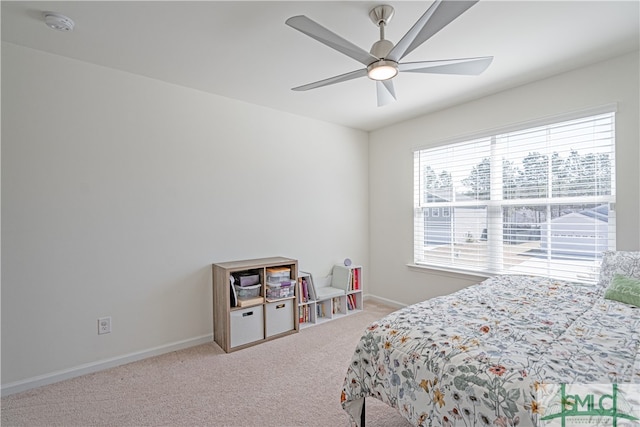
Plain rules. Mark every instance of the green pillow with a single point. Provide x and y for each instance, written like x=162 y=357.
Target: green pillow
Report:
x=624 y=289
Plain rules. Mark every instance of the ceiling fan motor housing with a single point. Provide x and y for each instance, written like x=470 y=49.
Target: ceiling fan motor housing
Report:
x=381 y=48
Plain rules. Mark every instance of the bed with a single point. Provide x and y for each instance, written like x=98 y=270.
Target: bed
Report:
x=486 y=355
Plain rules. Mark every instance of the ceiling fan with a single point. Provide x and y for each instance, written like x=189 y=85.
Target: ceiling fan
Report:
x=382 y=62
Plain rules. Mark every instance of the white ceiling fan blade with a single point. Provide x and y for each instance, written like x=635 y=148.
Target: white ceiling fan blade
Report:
x=440 y=14
x=331 y=39
x=386 y=92
x=332 y=80
x=465 y=66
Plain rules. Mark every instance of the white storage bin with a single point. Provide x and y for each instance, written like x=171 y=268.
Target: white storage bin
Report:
x=247 y=325
x=279 y=317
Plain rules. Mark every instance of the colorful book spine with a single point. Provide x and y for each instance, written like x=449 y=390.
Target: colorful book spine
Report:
x=351 y=302
x=304 y=314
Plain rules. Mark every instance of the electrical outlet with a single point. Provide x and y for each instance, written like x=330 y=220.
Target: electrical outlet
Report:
x=104 y=325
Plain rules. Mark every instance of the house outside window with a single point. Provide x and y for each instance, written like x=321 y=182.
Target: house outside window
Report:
x=538 y=200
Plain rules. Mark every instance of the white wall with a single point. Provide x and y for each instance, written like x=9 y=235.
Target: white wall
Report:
x=119 y=191
x=391 y=188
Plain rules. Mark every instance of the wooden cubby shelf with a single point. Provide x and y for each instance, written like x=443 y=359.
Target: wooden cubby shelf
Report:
x=254 y=301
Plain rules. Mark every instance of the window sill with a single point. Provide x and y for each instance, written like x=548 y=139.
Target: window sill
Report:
x=449 y=272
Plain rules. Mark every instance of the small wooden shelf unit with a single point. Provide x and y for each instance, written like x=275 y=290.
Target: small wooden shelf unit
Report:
x=262 y=319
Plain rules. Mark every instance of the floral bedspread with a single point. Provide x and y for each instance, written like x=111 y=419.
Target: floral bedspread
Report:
x=478 y=357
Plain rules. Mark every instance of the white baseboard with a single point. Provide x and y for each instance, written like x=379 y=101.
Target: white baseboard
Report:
x=88 y=368
x=100 y=365
x=384 y=301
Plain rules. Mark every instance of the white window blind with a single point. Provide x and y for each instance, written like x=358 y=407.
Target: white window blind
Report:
x=533 y=201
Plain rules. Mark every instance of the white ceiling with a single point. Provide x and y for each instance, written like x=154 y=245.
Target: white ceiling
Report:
x=244 y=50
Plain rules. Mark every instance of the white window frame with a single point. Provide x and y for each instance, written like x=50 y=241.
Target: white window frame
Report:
x=495 y=204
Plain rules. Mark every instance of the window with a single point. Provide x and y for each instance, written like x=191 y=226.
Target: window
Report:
x=531 y=201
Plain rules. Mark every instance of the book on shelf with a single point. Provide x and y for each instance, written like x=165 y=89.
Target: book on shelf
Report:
x=307 y=279
x=247 y=302
x=320 y=310
x=303 y=289
x=304 y=316
x=351 y=302
x=337 y=306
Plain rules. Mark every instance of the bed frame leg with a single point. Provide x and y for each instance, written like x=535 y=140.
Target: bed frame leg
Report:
x=362 y=413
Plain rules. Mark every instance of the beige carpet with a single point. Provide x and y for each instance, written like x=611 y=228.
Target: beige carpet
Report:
x=291 y=381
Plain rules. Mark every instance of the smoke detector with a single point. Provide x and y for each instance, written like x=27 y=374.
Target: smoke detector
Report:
x=58 y=22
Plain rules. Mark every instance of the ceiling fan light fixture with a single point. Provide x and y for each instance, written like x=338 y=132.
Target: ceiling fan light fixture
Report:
x=382 y=70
